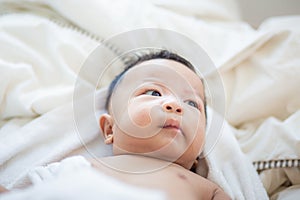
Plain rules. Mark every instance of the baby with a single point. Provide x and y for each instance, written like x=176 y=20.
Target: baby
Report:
x=155 y=121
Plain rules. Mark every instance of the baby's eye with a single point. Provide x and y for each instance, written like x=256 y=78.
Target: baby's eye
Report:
x=153 y=93
x=192 y=103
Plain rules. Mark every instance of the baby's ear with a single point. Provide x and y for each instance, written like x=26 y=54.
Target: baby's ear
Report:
x=106 y=124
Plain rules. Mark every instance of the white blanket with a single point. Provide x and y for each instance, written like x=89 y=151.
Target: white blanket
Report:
x=40 y=60
x=74 y=178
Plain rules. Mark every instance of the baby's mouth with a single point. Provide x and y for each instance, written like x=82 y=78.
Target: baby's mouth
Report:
x=170 y=127
x=172 y=124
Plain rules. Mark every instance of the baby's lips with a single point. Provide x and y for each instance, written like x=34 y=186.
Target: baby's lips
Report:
x=171 y=123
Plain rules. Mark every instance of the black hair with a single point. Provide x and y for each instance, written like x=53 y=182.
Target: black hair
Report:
x=149 y=55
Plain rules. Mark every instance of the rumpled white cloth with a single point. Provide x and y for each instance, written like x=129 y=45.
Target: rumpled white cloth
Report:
x=231 y=169
x=40 y=61
x=74 y=178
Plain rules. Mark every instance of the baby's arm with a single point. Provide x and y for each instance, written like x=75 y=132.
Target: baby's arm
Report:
x=219 y=194
x=209 y=189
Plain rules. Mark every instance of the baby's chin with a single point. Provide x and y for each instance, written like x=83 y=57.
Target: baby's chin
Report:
x=168 y=153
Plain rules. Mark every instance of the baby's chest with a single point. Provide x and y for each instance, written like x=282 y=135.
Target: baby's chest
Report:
x=177 y=184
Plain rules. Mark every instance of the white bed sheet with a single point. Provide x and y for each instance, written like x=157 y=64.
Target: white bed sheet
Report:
x=40 y=61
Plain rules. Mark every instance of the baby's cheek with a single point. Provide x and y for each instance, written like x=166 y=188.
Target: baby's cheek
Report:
x=140 y=116
x=143 y=118
x=147 y=115
x=137 y=121
x=194 y=125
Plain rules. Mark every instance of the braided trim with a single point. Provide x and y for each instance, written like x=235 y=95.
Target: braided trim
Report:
x=272 y=164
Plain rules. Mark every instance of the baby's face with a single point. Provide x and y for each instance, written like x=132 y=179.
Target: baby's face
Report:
x=158 y=111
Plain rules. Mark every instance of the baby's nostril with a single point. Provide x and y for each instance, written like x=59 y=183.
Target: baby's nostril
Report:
x=169 y=108
x=178 y=110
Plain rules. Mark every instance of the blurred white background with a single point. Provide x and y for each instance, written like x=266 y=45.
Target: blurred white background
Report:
x=255 y=11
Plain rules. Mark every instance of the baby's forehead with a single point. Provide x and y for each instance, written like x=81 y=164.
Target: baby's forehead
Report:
x=156 y=66
x=166 y=71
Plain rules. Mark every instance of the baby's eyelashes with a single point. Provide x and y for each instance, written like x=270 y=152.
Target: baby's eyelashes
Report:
x=192 y=103
x=153 y=93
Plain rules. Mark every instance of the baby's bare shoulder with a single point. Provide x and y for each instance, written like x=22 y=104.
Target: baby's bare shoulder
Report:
x=203 y=184
x=217 y=191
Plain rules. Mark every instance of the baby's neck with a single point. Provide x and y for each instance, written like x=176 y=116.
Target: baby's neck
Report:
x=135 y=163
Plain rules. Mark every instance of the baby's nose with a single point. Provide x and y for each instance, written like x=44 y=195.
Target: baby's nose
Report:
x=172 y=106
